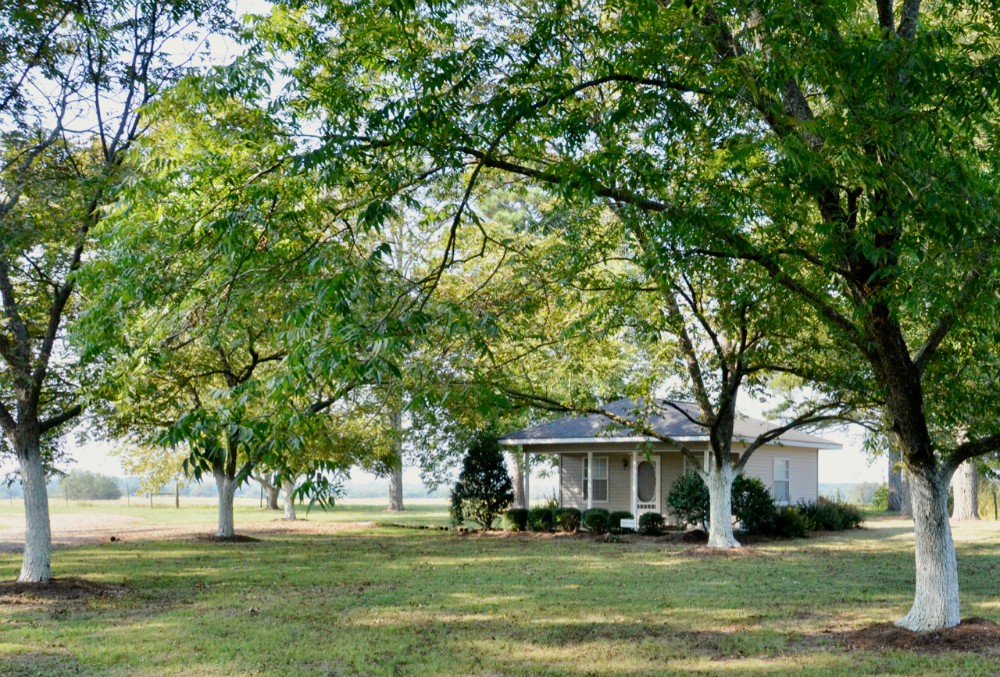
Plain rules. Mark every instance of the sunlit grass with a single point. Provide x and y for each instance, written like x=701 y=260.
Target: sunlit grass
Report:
x=372 y=601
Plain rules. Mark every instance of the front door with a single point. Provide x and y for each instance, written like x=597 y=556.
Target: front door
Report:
x=647 y=486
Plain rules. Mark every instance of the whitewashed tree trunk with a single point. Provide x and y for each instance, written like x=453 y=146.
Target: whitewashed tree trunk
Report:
x=36 y=567
x=227 y=490
x=517 y=477
x=720 y=521
x=935 y=602
x=965 y=485
x=288 y=487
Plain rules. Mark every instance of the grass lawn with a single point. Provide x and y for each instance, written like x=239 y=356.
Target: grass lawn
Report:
x=390 y=601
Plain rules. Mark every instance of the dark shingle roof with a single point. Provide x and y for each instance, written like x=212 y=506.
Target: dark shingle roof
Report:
x=664 y=419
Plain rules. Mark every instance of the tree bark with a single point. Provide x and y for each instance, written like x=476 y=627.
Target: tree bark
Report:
x=396 y=473
x=36 y=566
x=517 y=477
x=227 y=490
x=935 y=602
x=906 y=497
x=965 y=485
x=895 y=482
x=288 y=487
x=720 y=521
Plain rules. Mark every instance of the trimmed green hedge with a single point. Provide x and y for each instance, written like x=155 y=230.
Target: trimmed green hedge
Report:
x=651 y=524
x=615 y=521
x=540 y=519
x=595 y=520
x=516 y=519
x=567 y=519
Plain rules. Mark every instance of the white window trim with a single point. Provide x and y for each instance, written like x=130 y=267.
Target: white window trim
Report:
x=690 y=467
x=787 y=480
x=606 y=479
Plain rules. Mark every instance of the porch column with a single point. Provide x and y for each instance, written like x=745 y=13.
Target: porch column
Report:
x=635 y=484
x=590 y=480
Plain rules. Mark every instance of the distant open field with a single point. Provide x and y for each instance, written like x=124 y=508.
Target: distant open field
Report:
x=335 y=595
x=82 y=522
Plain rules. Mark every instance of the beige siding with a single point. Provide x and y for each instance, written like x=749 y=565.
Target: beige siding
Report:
x=803 y=473
x=803 y=470
x=619 y=482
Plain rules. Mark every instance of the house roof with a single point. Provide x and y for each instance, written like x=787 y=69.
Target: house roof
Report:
x=667 y=419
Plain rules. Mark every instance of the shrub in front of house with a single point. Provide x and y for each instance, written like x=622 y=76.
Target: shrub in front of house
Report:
x=540 y=519
x=651 y=524
x=688 y=500
x=753 y=505
x=595 y=520
x=567 y=519
x=826 y=515
x=516 y=519
x=484 y=489
x=789 y=522
x=615 y=521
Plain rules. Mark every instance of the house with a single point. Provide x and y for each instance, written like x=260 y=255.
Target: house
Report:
x=634 y=472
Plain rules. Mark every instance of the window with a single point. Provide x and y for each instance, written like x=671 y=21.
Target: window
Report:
x=782 y=490
x=600 y=478
x=690 y=467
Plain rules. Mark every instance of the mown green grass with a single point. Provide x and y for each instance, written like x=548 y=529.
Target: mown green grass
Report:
x=202 y=510
x=376 y=601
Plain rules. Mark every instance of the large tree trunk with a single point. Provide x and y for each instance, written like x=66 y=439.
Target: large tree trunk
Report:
x=720 y=493
x=36 y=567
x=906 y=497
x=935 y=602
x=965 y=485
x=396 y=473
x=895 y=483
x=396 y=489
x=272 y=491
x=288 y=486
x=517 y=477
x=227 y=490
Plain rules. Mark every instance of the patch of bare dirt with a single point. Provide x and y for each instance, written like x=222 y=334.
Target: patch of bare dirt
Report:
x=973 y=635
x=235 y=538
x=703 y=551
x=61 y=589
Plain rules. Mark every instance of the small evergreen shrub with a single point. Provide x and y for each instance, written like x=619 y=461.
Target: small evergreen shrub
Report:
x=516 y=519
x=789 y=522
x=567 y=519
x=615 y=521
x=595 y=520
x=825 y=515
x=484 y=490
x=651 y=524
x=753 y=505
x=688 y=500
x=540 y=519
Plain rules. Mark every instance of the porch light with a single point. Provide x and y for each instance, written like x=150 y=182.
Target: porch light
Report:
x=625 y=462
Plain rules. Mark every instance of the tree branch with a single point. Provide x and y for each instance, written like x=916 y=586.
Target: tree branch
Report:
x=59 y=419
x=970 y=449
